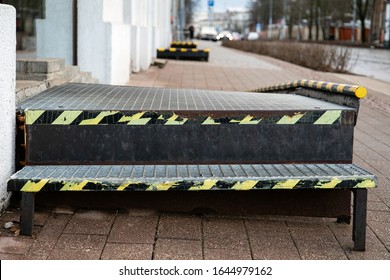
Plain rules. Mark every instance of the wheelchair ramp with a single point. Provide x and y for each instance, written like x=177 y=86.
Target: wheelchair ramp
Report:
x=102 y=124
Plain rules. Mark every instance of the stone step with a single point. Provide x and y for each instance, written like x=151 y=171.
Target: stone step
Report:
x=39 y=66
x=53 y=71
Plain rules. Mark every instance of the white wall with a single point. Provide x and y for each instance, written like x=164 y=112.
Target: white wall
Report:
x=7 y=98
x=104 y=41
x=151 y=29
x=55 y=32
x=115 y=37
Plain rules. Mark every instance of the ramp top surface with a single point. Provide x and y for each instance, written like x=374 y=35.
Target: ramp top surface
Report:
x=96 y=97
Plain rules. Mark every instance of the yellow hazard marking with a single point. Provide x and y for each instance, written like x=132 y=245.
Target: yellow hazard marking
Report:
x=366 y=184
x=32 y=116
x=194 y=50
x=310 y=84
x=135 y=119
x=319 y=85
x=247 y=120
x=207 y=185
x=161 y=49
x=74 y=186
x=288 y=184
x=209 y=121
x=67 y=117
x=290 y=120
x=34 y=187
x=183 y=50
x=206 y=50
x=295 y=83
x=361 y=92
x=161 y=186
x=327 y=184
x=340 y=88
x=98 y=118
x=173 y=120
x=172 y=49
x=329 y=117
x=329 y=86
x=245 y=185
x=123 y=186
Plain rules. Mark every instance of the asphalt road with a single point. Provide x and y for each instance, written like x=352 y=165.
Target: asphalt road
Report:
x=373 y=63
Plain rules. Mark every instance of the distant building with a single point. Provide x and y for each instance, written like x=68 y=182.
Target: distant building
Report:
x=234 y=19
x=238 y=19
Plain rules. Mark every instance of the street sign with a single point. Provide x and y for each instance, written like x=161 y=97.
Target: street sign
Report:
x=211 y=3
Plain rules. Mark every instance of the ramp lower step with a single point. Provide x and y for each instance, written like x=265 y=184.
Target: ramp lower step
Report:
x=190 y=177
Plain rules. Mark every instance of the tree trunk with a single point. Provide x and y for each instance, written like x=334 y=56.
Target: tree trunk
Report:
x=311 y=20
x=317 y=21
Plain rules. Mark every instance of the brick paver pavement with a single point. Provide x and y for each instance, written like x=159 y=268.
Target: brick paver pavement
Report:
x=141 y=234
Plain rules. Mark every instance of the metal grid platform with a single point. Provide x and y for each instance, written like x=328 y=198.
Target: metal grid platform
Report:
x=120 y=98
x=190 y=177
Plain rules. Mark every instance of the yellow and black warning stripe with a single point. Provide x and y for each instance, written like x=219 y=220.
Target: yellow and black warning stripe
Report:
x=350 y=90
x=189 y=185
x=182 y=50
x=74 y=117
x=185 y=44
x=183 y=53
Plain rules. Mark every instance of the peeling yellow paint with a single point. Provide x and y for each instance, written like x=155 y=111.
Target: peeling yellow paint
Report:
x=34 y=187
x=288 y=184
x=207 y=185
x=329 y=117
x=67 y=117
x=74 y=186
x=245 y=185
x=98 y=118
x=32 y=116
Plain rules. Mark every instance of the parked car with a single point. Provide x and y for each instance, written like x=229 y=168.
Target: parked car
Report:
x=208 y=33
x=252 y=36
x=225 y=35
x=236 y=36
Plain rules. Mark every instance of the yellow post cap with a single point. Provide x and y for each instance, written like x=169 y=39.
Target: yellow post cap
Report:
x=361 y=92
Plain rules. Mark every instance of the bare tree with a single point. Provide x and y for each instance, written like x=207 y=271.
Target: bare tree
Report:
x=362 y=12
x=190 y=7
x=259 y=10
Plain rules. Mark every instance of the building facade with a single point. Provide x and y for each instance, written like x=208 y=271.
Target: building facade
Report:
x=109 y=38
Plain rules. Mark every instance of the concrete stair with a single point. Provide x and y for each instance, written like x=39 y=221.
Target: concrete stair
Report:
x=52 y=71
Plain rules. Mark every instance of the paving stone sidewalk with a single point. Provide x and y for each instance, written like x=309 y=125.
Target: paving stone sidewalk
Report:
x=140 y=234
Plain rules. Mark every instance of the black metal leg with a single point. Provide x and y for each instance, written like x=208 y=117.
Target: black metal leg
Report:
x=344 y=219
x=359 y=219
x=27 y=216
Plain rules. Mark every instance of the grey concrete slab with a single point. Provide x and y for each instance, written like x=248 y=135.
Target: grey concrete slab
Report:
x=227 y=254
x=129 y=229
x=178 y=249
x=78 y=247
x=273 y=246
x=180 y=226
x=125 y=251
x=15 y=245
x=91 y=222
